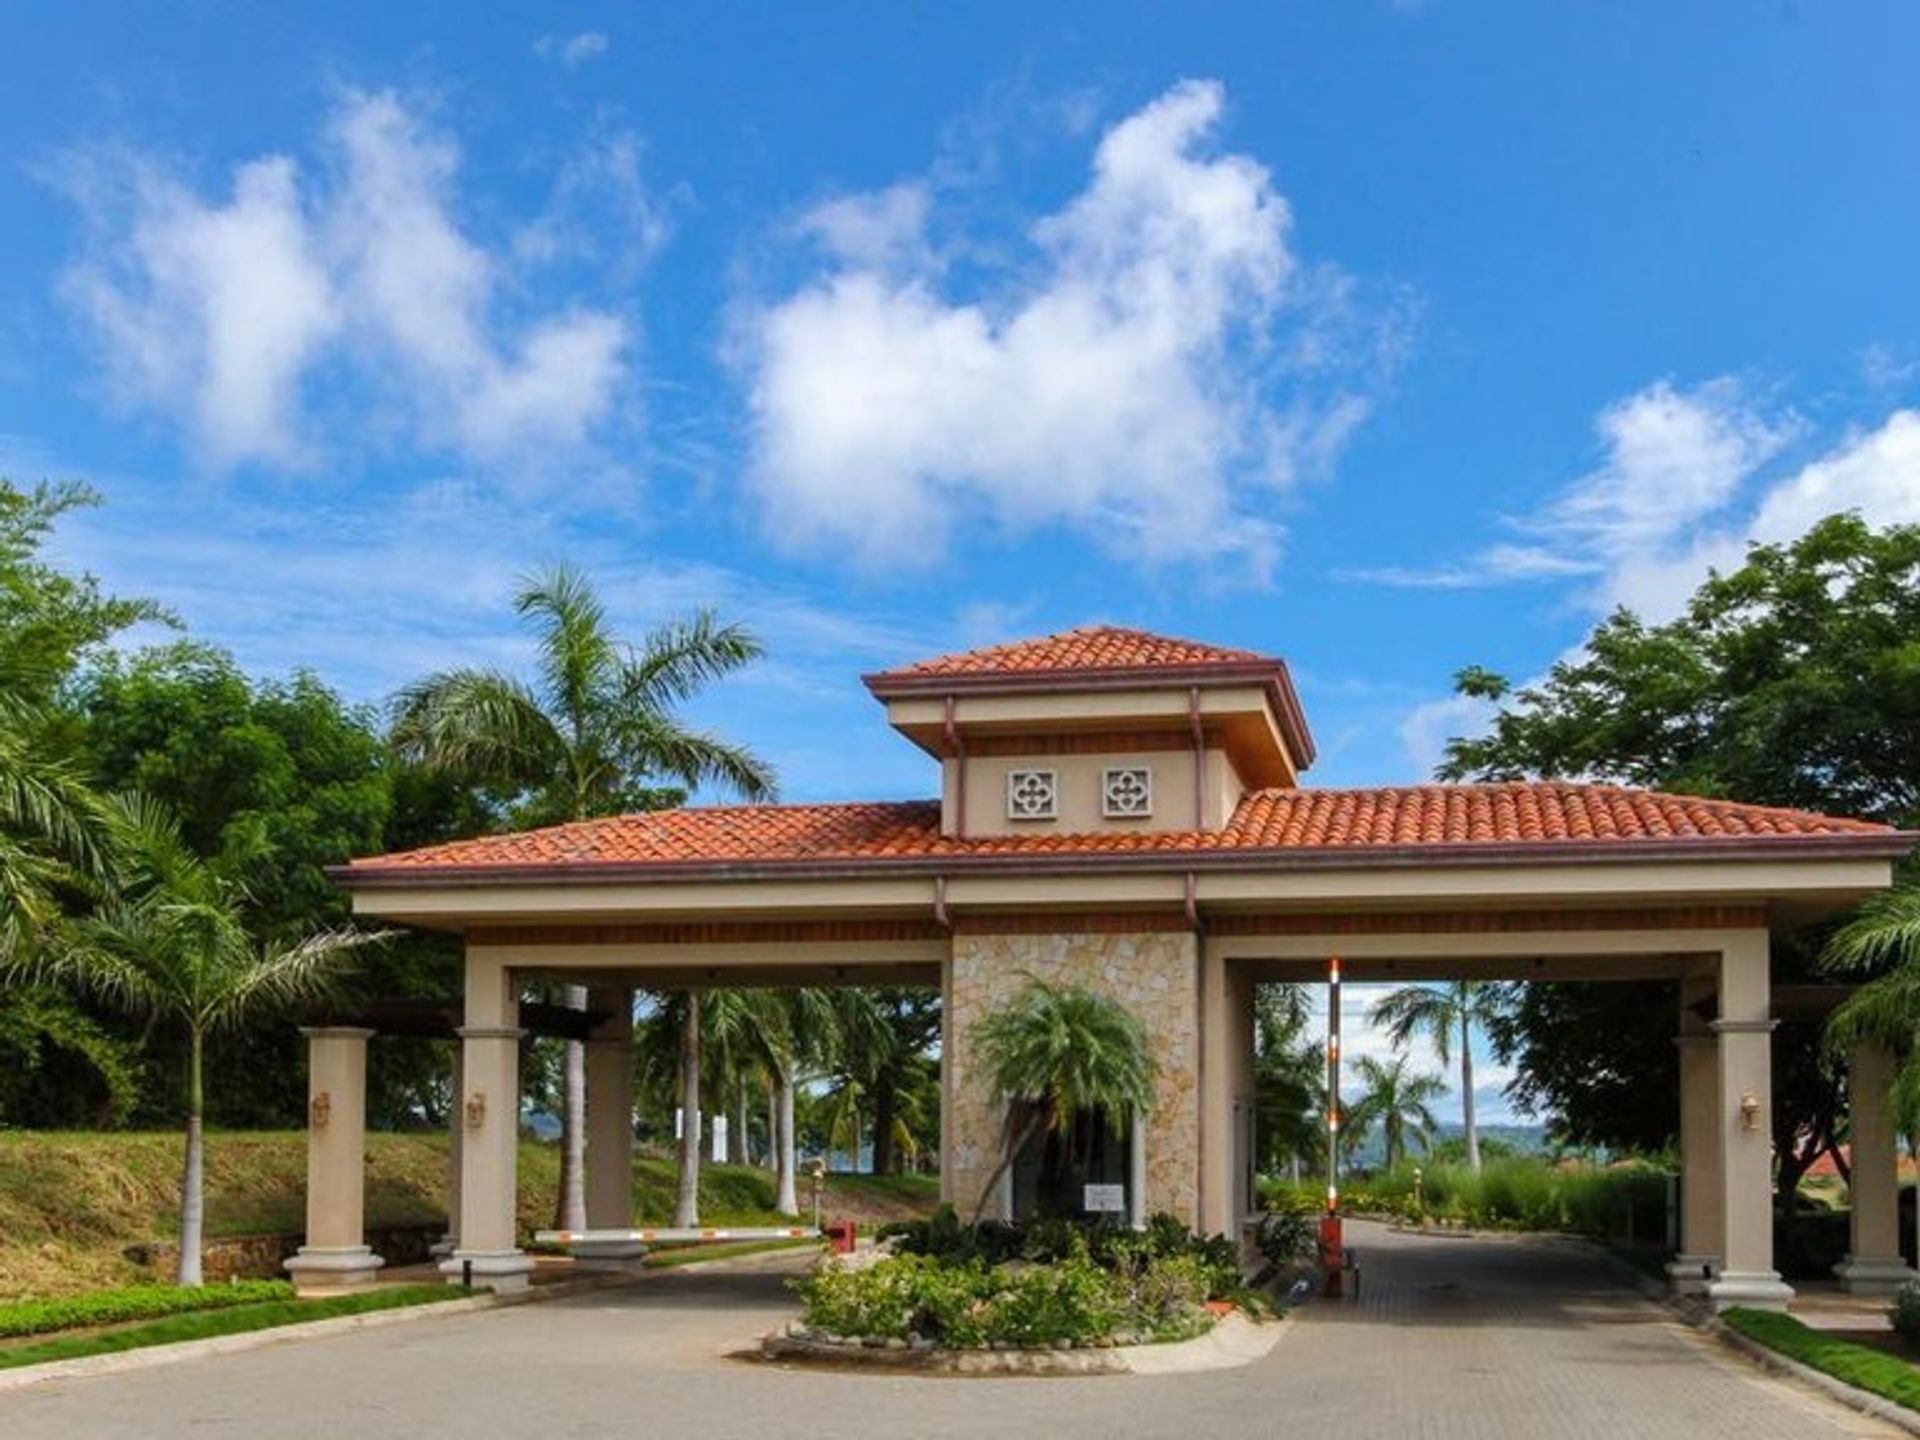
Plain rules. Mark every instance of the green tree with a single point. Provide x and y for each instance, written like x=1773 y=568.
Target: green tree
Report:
x=173 y=945
x=1289 y=1074
x=1052 y=1052
x=1793 y=680
x=1446 y=1014
x=597 y=731
x=1395 y=1103
x=58 y=1064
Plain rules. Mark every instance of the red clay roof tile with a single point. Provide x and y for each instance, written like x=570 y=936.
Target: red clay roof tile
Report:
x=1549 y=814
x=1091 y=647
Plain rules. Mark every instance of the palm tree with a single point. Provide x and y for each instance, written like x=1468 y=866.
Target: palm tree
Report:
x=1396 y=1102
x=172 y=944
x=1883 y=940
x=1053 y=1052
x=1444 y=1013
x=595 y=733
x=52 y=828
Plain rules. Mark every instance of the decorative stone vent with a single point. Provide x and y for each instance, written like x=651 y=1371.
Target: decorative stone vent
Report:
x=1032 y=794
x=1126 y=792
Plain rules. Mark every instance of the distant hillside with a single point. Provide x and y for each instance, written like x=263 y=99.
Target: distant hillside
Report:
x=71 y=1203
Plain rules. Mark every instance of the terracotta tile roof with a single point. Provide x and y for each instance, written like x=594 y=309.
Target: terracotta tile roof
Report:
x=1547 y=814
x=1091 y=647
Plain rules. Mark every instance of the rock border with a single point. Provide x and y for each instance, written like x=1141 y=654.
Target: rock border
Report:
x=1233 y=1341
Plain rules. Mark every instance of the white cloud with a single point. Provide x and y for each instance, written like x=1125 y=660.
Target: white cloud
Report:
x=1672 y=460
x=222 y=311
x=1117 y=386
x=1676 y=500
x=572 y=50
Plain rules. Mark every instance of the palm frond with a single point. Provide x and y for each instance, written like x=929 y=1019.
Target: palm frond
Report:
x=1885 y=931
x=682 y=657
x=281 y=976
x=477 y=723
x=578 y=658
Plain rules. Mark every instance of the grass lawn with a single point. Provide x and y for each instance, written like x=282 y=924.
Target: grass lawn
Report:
x=200 y=1325
x=71 y=1203
x=1887 y=1376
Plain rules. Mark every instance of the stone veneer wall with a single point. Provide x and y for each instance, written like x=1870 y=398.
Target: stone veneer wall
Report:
x=1154 y=975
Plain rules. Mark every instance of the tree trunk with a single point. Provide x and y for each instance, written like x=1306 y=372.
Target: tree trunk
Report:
x=192 y=1180
x=745 y=1157
x=1466 y=1092
x=789 y=1201
x=1014 y=1146
x=570 y=1206
x=772 y=1126
x=686 y=1211
x=885 y=1109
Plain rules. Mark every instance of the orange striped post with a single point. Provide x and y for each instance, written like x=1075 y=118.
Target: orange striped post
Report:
x=1332 y=1241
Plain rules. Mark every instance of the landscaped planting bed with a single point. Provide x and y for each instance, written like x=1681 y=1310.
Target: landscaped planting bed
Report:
x=1051 y=1285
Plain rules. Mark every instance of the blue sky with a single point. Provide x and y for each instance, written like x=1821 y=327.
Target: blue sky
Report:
x=1390 y=337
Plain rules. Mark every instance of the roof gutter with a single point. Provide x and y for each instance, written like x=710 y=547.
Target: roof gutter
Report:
x=1891 y=845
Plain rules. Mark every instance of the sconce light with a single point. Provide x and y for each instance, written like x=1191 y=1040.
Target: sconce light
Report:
x=476 y=1110
x=1749 y=1110
x=319 y=1110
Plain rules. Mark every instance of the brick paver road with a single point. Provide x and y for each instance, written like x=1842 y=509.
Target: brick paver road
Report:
x=1453 y=1338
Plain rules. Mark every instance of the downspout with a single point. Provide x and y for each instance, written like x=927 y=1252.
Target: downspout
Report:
x=958 y=752
x=1199 y=765
x=940 y=916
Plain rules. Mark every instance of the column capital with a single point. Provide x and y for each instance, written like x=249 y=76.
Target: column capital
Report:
x=337 y=1032
x=1743 y=1027
x=489 y=1032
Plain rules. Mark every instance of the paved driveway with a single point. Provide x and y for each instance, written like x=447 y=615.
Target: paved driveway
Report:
x=1453 y=1338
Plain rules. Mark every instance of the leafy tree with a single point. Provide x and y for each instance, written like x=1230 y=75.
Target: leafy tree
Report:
x=1395 y=1103
x=596 y=732
x=1289 y=1070
x=1446 y=1014
x=173 y=945
x=274 y=781
x=1051 y=1053
x=1793 y=680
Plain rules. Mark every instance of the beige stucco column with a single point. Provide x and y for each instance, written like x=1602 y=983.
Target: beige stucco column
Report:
x=1744 y=1129
x=1226 y=1094
x=449 y=1240
x=1873 y=1265
x=1701 y=1185
x=336 y=1252
x=610 y=1125
x=490 y=1118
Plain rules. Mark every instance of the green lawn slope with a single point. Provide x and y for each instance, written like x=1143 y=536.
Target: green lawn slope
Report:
x=72 y=1203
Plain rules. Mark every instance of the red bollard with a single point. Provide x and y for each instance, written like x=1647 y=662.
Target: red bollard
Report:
x=1333 y=1256
x=841 y=1235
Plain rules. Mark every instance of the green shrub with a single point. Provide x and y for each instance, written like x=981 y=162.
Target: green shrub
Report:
x=1904 y=1313
x=1286 y=1237
x=132 y=1302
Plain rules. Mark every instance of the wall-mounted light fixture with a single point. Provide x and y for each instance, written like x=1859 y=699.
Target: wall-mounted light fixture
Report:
x=320 y=1110
x=1749 y=1110
x=476 y=1110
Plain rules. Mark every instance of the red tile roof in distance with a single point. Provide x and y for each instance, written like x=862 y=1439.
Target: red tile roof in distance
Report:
x=1103 y=657
x=1545 y=818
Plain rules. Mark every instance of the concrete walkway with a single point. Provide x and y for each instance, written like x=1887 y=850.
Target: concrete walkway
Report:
x=1452 y=1338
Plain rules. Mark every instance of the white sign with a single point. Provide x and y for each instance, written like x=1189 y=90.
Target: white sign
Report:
x=1104 y=1199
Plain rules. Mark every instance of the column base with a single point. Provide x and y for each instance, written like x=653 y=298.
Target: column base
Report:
x=1691 y=1274
x=1874 y=1275
x=607 y=1250
x=332 y=1267
x=499 y=1270
x=1751 y=1289
x=444 y=1246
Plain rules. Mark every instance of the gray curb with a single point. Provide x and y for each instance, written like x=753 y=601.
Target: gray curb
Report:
x=147 y=1357
x=1852 y=1396
x=1233 y=1342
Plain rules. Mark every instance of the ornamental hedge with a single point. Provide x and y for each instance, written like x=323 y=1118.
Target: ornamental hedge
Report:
x=132 y=1302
